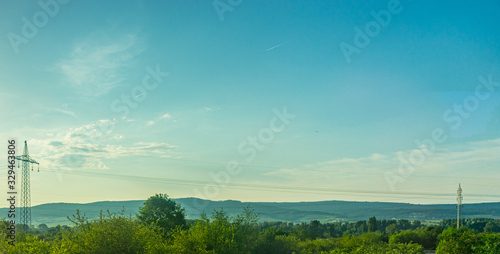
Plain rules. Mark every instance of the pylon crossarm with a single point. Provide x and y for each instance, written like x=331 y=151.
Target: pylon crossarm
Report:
x=20 y=157
x=27 y=159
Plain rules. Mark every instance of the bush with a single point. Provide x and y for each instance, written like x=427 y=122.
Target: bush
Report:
x=30 y=244
x=426 y=237
x=111 y=234
x=465 y=241
x=219 y=234
x=388 y=249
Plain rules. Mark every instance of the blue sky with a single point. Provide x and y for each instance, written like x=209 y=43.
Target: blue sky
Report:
x=226 y=71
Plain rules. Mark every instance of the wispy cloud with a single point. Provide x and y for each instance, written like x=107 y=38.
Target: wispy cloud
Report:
x=95 y=67
x=453 y=162
x=209 y=109
x=66 y=112
x=62 y=109
x=138 y=149
x=167 y=115
x=129 y=120
x=160 y=118
x=88 y=146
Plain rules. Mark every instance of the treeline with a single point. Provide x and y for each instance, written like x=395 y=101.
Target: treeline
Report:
x=315 y=229
x=161 y=227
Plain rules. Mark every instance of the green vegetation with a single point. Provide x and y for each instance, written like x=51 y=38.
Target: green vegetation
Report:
x=465 y=241
x=160 y=226
x=162 y=212
x=425 y=237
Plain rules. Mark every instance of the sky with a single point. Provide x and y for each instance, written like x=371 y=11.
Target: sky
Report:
x=282 y=101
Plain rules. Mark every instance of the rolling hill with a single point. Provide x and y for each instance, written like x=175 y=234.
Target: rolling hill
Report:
x=324 y=211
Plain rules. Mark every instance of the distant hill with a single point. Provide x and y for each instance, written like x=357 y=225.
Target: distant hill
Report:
x=324 y=211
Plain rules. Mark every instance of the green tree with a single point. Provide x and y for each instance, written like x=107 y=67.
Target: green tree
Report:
x=55 y=233
x=492 y=227
x=464 y=240
x=372 y=224
x=456 y=241
x=268 y=243
x=163 y=212
x=426 y=237
x=391 y=229
x=43 y=228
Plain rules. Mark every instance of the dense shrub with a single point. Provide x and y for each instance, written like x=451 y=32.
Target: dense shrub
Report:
x=111 y=234
x=465 y=241
x=426 y=237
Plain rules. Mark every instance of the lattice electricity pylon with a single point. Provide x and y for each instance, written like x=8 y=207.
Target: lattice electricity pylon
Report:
x=25 y=185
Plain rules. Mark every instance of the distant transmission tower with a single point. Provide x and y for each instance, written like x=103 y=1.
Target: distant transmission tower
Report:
x=459 y=204
x=25 y=185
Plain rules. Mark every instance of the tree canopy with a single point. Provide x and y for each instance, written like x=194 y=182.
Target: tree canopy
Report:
x=163 y=212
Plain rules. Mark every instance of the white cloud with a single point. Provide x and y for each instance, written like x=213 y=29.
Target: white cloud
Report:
x=138 y=149
x=167 y=115
x=87 y=147
x=66 y=112
x=447 y=164
x=126 y=119
x=209 y=109
x=95 y=68
x=160 y=118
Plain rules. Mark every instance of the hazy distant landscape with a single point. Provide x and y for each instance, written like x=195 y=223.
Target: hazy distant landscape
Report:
x=297 y=212
x=358 y=127
x=163 y=225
